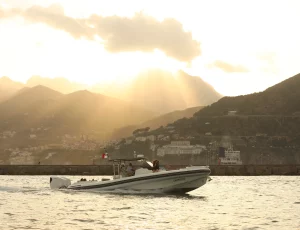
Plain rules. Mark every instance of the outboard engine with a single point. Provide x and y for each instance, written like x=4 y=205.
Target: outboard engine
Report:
x=59 y=182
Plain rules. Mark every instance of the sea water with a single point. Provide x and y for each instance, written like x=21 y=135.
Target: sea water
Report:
x=261 y=202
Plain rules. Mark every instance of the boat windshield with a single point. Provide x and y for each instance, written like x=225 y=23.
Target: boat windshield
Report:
x=121 y=170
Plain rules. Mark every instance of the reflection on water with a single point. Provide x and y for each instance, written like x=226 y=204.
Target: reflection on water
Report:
x=223 y=203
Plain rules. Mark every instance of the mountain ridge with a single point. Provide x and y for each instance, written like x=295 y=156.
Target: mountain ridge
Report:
x=83 y=111
x=273 y=115
x=156 y=122
x=154 y=89
x=280 y=99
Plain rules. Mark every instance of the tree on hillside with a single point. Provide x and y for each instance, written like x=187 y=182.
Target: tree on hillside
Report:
x=142 y=130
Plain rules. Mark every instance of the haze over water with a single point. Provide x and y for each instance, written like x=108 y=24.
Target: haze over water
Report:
x=223 y=203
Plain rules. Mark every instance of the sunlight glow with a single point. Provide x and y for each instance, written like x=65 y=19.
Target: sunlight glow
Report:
x=241 y=35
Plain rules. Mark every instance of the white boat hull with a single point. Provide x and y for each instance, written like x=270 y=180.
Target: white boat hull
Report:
x=175 y=181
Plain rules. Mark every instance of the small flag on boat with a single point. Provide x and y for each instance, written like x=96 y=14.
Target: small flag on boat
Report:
x=104 y=155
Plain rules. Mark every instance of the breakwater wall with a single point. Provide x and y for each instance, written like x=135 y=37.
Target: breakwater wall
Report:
x=216 y=170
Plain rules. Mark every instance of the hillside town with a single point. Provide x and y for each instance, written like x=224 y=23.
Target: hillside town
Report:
x=164 y=143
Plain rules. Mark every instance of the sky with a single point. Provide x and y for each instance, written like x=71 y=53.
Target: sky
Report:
x=239 y=47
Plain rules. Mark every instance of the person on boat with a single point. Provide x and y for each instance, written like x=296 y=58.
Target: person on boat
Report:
x=130 y=170
x=155 y=167
x=123 y=170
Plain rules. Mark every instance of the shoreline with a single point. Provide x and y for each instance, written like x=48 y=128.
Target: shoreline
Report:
x=216 y=170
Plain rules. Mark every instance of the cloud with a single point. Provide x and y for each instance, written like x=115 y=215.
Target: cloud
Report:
x=54 y=16
x=120 y=34
x=145 y=33
x=226 y=67
x=7 y=13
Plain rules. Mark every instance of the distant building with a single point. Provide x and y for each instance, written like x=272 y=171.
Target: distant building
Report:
x=128 y=141
x=261 y=135
x=140 y=138
x=153 y=147
x=166 y=138
x=180 y=143
x=160 y=136
x=229 y=156
x=32 y=136
x=180 y=148
x=8 y=133
x=151 y=138
x=231 y=113
x=175 y=136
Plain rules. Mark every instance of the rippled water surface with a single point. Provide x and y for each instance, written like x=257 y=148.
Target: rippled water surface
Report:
x=273 y=202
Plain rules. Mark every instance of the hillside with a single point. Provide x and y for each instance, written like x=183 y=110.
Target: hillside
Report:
x=168 y=118
x=27 y=107
x=27 y=101
x=273 y=112
x=280 y=99
x=86 y=110
x=265 y=127
x=156 y=122
x=81 y=112
x=8 y=88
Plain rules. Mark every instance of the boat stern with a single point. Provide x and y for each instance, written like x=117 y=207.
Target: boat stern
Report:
x=59 y=182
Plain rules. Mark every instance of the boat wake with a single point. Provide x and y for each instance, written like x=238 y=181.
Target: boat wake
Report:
x=9 y=189
x=18 y=189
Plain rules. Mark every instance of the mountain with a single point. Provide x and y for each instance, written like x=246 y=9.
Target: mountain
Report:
x=28 y=106
x=165 y=92
x=273 y=113
x=264 y=127
x=75 y=113
x=8 y=88
x=156 y=122
x=155 y=89
x=280 y=99
x=59 y=84
x=86 y=110
x=169 y=118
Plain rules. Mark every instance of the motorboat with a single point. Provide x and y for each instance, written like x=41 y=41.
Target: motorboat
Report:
x=149 y=178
